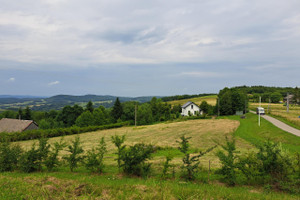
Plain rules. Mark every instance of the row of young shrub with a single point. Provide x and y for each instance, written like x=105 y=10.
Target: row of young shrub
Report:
x=271 y=166
x=48 y=133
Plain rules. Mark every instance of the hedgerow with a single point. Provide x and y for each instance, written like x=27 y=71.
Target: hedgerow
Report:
x=48 y=133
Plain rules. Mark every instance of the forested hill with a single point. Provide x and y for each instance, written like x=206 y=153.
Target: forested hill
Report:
x=265 y=89
x=59 y=101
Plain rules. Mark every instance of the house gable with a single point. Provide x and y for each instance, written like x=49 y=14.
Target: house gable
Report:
x=190 y=108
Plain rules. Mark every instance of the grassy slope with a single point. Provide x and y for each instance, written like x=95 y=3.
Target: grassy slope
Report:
x=251 y=132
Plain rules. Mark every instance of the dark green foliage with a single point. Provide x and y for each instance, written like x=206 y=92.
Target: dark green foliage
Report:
x=134 y=159
x=29 y=161
x=274 y=160
x=9 y=114
x=9 y=156
x=118 y=141
x=231 y=100
x=52 y=160
x=94 y=161
x=228 y=161
x=89 y=106
x=190 y=163
x=176 y=110
x=69 y=114
x=144 y=115
x=20 y=113
x=117 y=110
x=275 y=97
x=100 y=116
x=296 y=97
x=204 y=106
x=75 y=150
x=27 y=113
x=185 y=96
x=85 y=119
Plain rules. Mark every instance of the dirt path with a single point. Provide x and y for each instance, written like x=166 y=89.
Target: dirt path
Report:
x=280 y=124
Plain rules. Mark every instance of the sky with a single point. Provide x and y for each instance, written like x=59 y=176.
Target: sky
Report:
x=145 y=48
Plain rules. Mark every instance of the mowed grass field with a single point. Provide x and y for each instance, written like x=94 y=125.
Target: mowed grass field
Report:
x=197 y=100
x=204 y=134
x=279 y=111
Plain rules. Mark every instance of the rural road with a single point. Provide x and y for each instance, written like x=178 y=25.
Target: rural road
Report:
x=280 y=124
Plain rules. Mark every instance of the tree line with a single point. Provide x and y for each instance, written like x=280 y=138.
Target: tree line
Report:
x=147 y=113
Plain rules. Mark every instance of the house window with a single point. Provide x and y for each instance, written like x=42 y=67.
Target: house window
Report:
x=192 y=106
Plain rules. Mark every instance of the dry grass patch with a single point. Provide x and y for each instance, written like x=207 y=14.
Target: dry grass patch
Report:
x=204 y=133
x=197 y=100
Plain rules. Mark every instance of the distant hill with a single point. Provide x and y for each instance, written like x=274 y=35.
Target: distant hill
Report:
x=59 y=101
x=22 y=97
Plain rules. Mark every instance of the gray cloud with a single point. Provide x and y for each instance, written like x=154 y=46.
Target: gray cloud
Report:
x=152 y=40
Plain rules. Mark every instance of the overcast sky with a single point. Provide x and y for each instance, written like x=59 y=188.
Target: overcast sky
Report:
x=139 y=48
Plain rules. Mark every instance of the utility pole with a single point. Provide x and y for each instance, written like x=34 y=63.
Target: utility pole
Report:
x=218 y=107
x=287 y=103
x=245 y=106
x=268 y=106
x=259 y=110
x=135 y=115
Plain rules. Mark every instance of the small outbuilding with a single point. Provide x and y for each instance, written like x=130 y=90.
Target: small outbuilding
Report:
x=190 y=108
x=16 y=125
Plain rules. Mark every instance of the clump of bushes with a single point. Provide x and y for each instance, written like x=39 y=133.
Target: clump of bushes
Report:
x=134 y=159
x=271 y=165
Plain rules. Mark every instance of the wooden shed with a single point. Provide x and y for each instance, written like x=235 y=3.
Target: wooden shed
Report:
x=16 y=125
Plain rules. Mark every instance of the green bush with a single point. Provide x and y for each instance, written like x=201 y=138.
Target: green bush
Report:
x=134 y=159
x=118 y=141
x=43 y=151
x=29 y=161
x=9 y=156
x=52 y=160
x=94 y=161
x=228 y=161
x=75 y=150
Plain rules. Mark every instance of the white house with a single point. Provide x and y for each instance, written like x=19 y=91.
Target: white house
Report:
x=190 y=108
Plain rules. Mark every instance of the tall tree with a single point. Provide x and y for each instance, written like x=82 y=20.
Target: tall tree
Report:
x=89 y=106
x=117 y=110
x=204 y=106
x=27 y=113
x=69 y=115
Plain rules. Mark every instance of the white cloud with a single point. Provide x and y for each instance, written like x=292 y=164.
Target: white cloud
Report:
x=201 y=74
x=12 y=79
x=53 y=83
